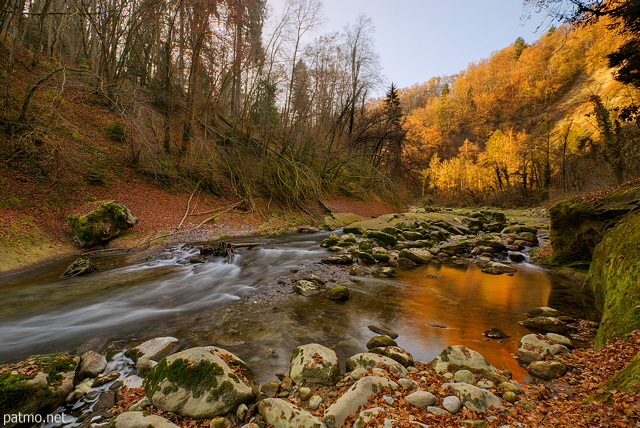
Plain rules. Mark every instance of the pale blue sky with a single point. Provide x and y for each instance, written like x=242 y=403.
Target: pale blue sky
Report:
x=420 y=39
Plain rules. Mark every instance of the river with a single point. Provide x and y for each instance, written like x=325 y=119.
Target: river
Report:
x=248 y=307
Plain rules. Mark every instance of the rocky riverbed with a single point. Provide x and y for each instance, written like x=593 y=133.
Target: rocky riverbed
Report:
x=152 y=384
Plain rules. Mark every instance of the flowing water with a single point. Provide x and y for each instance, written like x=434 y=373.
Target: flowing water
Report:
x=241 y=307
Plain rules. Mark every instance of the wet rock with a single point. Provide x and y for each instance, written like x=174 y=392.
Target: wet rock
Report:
x=201 y=382
x=382 y=330
x=516 y=257
x=495 y=333
x=547 y=370
x=546 y=325
x=421 y=399
x=465 y=376
x=492 y=271
x=380 y=341
x=105 y=378
x=154 y=349
x=386 y=272
x=331 y=241
x=452 y=404
x=144 y=365
x=380 y=236
x=106 y=401
x=458 y=357
x=563 y=340
x=141 y=420
x=308 y=229
x=419 y=256
x=81 y=266
x=306 y=288
x=339 y=292
x=380 y=254
x=543 y=311
x=395 y=353
x=502 y=267
x=369 y=360
x=91 y=365
x=341 y=259
x=474 y=398
x=355 y=397
x=100 y=225
x=314 y=364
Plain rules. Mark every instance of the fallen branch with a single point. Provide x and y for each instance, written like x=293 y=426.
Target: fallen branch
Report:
x=218 y=209
x=186 y=212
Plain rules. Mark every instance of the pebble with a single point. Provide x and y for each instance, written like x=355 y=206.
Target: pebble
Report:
x=452 y=404
x=358 y=373
x=314 y=402
x=465 y=376
x=437 y=410
x=305 y=393
x=421 y=399
x=486 y=384
x=408 y=383
x=510 y=397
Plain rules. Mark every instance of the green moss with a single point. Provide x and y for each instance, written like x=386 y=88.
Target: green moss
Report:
x=613 y=279
x=101 y=224
x=199 y=378
x=627 y=379
x=14 y=389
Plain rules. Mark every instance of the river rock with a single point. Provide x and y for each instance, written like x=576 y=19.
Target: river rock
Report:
x=536 y=347
x=380 y=254
x=419 y=256
x=270 y=389
x=380 y=340
x=314 y=364
x=141 y=420
x=339 y=292
x=107 y=221
x=474 y=398
x=452 y=404
x=510 y=397
x=91 y=365
x=502 y=267
x=282 y=414
x=386 y=272
x=382 y=237
x=395 y=353
x=200 y=382
x=516 y=257
x=314 y=402
x=306 y=288
x=543 y=311
x=369 y=360
x=382 y=330
x=46 y=388
x=355 y=397
x=495 y=333
x=79 y=267
x=407 y=383
x=465 y=376
x=563 y=340
x=421 y=399
x=459 y=357
x=154 y=349
x=547 y=370
x=340 y=259
x=546 y=325
x=104 y=379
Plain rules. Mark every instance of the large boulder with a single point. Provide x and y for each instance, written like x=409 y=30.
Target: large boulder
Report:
x=282 y=414
x=474 y=398
x=577 y=225
x=154 y=349
x=314 y=364
x=37 y=385
x=613 y=279
x=200 y=383
x=458 y=357
x=107 y=221
x=355 y=397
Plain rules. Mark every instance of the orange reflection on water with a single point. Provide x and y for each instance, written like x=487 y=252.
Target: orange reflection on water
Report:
x=467 y=301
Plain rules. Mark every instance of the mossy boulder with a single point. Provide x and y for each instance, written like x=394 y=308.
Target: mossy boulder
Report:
x=627 y=379
x=200 y=383
x=314 y=364
x=107 y=221
x=613 y=279
x=577 y=225
x=81 y=266
x=339 y=292
x=37 y=385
